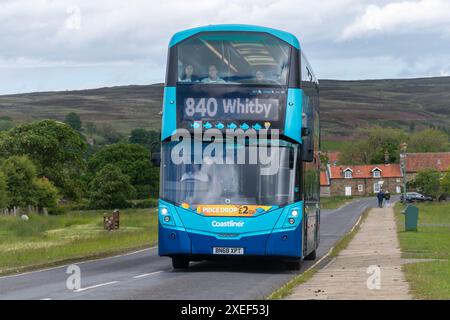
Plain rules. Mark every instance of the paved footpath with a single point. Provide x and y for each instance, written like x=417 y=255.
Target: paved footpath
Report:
x=374 y=250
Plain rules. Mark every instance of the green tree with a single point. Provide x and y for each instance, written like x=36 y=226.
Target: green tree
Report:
x=324 y=159
x=134 y=161
x=20 y=174
x=55 y=148
x=355 y=152
x=73 y=120
x=149 y=139
x=4 y=196
x=429 y=140
x=110 y=189
x=445 y=182
x=110 y=134
x=91 y=129
x=139 y=136
x=6 y=123
x=427 y=181
x=370 y=145
x=381 y=140
x=45 y=193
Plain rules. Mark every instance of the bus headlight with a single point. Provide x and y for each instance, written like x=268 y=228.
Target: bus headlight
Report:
x=294 y=213
x=291 y=220
x=166 y=218
x=164 y=211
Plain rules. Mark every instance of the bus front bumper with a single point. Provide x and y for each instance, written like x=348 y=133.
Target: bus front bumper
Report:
x=284 y=243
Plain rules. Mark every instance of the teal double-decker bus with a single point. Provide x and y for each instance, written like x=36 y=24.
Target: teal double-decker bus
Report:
x=232 y=91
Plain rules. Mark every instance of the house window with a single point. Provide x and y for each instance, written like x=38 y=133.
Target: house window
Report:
x=376 y=174
x=398 y=180
x=360 y=188
x=376 y=187
x=348 y=174
x=398 y=189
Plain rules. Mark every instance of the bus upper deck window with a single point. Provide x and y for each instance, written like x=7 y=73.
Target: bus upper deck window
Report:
x=233 y=58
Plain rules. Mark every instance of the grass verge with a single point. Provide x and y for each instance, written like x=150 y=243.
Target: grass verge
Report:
x=289 y=287
x=45 y=241
x=336 y=201
x=429 y=279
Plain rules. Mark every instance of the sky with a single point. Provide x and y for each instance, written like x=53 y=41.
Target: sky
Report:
x=48 y=45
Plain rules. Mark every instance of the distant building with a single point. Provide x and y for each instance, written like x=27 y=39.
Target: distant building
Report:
x=333 y=157
x=416 y=162
x=361 y=180
x=324 y=184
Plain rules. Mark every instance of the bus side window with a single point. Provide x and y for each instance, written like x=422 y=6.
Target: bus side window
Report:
x=308 y=131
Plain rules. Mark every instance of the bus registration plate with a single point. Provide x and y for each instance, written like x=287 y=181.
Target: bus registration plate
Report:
x=227 y=250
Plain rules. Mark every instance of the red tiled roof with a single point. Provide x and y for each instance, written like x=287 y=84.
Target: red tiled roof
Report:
x=333 y=156
x=324 y=179
x=365 y=171
x=419 y=161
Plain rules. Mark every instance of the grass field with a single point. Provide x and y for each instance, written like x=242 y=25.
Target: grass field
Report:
x=48 y=240
x=428 y=280
x=332 y=145
x=336 y=201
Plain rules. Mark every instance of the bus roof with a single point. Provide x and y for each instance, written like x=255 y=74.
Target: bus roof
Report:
x=285 y=36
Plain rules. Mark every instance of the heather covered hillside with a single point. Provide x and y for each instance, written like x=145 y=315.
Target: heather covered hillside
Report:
x=410 y=104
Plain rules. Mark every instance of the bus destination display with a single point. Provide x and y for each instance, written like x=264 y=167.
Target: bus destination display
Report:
x=249 y=109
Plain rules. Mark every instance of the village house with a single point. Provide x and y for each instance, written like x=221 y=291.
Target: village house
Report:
x=324 y=184
x=416 y=162
x=361 y=180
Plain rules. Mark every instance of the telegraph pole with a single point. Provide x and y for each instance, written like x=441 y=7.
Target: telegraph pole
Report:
x=403 y=147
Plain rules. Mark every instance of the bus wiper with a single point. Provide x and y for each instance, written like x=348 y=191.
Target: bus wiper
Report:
x=197 y=176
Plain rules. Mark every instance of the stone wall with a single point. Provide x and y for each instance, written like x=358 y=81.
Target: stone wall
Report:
x=337 y=187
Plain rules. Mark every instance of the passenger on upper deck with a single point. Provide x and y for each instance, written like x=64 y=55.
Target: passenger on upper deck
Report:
x=188 y=75
x=212 y=76
x=260 y=76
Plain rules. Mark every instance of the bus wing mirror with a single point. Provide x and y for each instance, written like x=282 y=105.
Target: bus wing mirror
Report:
x=156 y=159
x=307 y=145
x=306 y=132
x=308 y=154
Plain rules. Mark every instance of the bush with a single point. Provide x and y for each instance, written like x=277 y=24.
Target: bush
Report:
x=45 y=194
x=110 y=189
x=133 y=160
x=20 y=174
x=55 y=148
x=427 y=182
x=73 y=120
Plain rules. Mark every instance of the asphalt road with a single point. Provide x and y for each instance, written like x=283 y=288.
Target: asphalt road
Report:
x=145 y=275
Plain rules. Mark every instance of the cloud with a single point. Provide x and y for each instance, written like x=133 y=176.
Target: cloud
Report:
x=65 y=44
x=400 y=17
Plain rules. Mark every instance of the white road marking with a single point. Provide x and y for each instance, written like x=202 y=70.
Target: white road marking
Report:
x=318 y=261
x=96 y=286
x=46 y=299
x=146 y=274
x=357 y=223
x=329 y=262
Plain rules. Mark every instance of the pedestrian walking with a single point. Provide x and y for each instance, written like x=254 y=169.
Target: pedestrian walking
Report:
x=380 y=197
x=387 y=197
